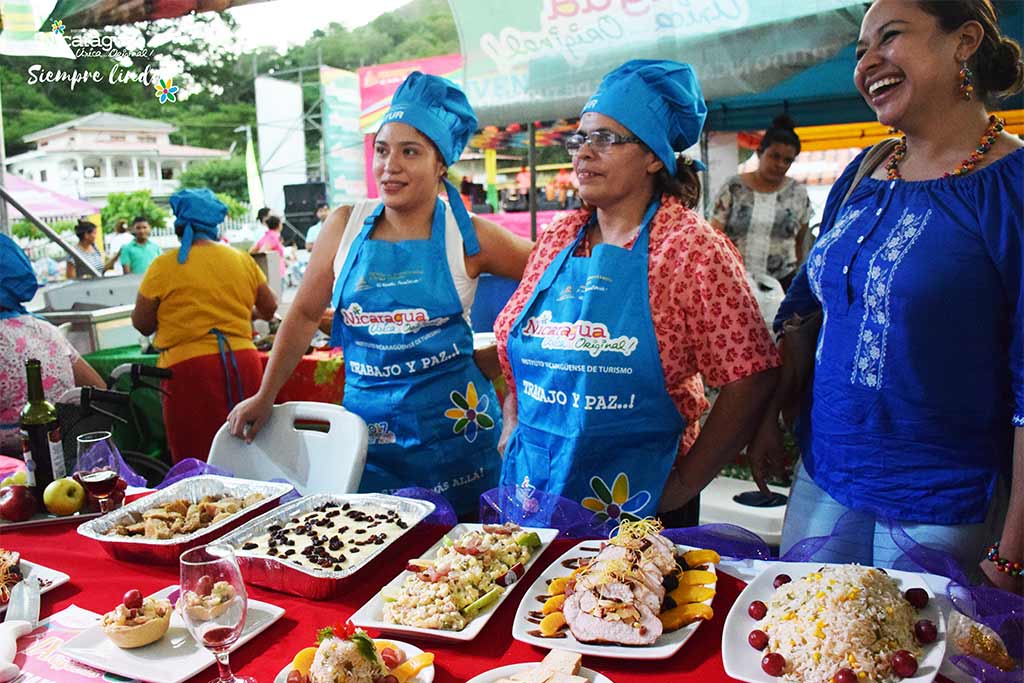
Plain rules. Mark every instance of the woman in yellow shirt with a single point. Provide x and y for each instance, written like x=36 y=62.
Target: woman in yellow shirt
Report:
x=200 y=300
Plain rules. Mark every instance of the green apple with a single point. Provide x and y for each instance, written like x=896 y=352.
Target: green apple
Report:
x=64 y=496
x=19 y=478
x=483 y=602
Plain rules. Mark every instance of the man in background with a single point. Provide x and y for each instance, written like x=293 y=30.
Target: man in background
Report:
x=322 y=211
x=140 y=252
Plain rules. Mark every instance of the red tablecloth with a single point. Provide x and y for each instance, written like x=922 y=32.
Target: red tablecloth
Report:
x=98 y=582
x=319 y=376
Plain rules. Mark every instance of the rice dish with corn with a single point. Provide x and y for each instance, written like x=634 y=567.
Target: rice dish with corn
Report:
x=840 y=617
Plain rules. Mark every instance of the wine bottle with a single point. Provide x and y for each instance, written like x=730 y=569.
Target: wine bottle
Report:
x=41 y=443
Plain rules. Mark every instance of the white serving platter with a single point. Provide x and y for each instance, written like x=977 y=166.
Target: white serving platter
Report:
x=48 y=578
x=663 y=648
x=371 y=615
x=743 y=662
x=512 y=669
x=174 y=658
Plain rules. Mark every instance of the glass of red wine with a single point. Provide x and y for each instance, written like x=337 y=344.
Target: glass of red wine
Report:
x=213 y=603
x=96 y=470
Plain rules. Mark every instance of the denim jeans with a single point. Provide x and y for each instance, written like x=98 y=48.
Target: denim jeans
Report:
x=812 y=512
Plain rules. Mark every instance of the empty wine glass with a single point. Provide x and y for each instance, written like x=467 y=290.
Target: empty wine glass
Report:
x=213 y=603
x=97 y=467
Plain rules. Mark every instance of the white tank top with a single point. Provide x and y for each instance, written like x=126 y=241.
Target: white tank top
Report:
x=464 y=284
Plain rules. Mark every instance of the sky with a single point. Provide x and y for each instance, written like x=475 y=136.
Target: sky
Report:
x=281 y=23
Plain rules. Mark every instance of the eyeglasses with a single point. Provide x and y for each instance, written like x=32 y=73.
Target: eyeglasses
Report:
x=600 y=141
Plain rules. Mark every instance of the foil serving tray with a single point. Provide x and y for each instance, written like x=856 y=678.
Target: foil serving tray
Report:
x=282 y=575
x=193 y=489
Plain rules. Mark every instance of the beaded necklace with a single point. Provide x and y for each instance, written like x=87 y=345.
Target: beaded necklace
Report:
x=988 y=138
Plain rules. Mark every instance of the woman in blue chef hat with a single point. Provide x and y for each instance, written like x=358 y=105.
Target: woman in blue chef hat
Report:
x=200 y=300
x=625 y=308
x=401 y=272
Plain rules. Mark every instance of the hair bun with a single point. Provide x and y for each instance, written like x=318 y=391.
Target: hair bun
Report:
x=784 y=121
x=1007 y=69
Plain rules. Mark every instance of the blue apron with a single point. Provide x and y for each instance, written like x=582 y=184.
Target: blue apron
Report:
x=434 y=419
x=596 y=422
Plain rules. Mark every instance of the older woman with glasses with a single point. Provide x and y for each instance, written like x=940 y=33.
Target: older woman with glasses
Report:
x=624 y=307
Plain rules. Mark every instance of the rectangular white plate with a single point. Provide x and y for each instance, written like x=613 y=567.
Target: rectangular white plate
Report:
x=663 y=648
x=512 y=669
x=371 y=615
x=743 y=662
x=51 y=578
x=174 y=658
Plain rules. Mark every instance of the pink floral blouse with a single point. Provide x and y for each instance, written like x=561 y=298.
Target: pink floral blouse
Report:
x=21 y=338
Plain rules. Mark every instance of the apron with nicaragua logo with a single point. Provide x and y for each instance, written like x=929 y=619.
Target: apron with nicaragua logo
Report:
x=434 y=419
x=596 y=422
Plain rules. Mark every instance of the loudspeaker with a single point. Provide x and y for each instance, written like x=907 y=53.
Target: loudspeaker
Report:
x=300 y=203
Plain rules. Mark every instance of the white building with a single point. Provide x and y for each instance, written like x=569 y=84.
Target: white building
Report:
x=92 y=156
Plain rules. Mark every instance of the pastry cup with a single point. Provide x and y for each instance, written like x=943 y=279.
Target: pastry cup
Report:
x=138 y=635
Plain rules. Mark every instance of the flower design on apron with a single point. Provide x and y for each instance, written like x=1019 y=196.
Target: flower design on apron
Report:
x=469 y=413
x=614 y=502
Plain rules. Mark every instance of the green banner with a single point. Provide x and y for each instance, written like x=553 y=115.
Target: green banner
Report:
x=541 y=59
x=343 y=142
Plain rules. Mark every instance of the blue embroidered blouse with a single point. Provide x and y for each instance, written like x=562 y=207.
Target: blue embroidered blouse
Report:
x=919 y=372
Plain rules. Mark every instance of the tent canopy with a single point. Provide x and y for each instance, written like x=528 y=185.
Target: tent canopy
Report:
x=42 y=202
x=102 y=13
x=824 y=93
x=540 y=60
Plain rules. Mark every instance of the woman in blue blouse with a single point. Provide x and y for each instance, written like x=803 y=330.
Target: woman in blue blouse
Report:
x=917 y=407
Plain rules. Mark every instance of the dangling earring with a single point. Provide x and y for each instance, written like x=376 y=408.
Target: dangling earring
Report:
x=966 y=82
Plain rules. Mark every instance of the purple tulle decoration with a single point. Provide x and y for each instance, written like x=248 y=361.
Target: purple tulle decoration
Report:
x=190 y=467
x=127 y=473
x=984 y=672
x=727 y=540
x=528 y=506
x=917 y=557
x=807 y=549
x=443 y=514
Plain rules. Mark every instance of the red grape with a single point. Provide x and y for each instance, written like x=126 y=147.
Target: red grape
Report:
x=773 y=663
x=757 y=610
x=904 y=664
x=781 y=579
x=387 y=679
x=296 y=676
x=925 y=632
x=204 y=586
x=917 y=597
x=133 y=599
x=844 y=676
x=758 y=639
x=391 y=657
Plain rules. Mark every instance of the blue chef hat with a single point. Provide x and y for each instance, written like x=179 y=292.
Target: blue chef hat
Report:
x=201 y=213
x=660 y=101
x=18 y=282
x=437 y=108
